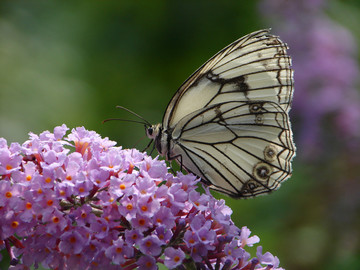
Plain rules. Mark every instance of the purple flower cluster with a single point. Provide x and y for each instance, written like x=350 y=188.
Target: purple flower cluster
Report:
x=326 y=101
x=79 y=202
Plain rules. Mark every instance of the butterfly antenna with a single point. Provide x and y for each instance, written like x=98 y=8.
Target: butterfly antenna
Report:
x=124 y=120
x=147 y=123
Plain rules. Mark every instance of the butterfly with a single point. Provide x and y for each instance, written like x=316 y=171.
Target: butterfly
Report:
x=228 y=123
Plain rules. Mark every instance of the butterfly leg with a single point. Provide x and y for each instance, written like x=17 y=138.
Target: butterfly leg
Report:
x=179 y=160
x=147 y=147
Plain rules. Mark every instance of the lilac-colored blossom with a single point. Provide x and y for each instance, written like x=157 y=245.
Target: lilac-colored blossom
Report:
x=72 y=242
x=245 y=238
x=164 y=217
x=100 y=228
x=141 y=222
x=150 y=245
x=9 y=161
x=173 y=257
x=54 y=220
x=79 y=202
x=267 y=258
x=147 y=263
x=164 y=234
x=119 y=251
x=122 y=186
x=133 y=236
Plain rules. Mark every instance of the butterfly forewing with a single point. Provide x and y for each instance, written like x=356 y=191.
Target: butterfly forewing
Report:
x=229 y=124
x=255 y=67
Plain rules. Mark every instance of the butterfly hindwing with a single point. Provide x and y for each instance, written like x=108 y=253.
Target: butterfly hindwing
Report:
x=239 y=148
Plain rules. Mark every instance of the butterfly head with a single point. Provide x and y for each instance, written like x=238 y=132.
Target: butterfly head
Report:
x=155 y=133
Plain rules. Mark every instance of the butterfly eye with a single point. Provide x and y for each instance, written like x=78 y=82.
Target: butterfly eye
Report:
x=150 y=131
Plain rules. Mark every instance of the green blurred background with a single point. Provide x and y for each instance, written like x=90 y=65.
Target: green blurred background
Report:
x=73 y=62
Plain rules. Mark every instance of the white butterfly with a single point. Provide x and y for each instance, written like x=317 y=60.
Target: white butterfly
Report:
x=229 y=124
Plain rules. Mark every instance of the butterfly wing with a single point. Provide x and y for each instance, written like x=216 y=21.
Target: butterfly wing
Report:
x=254 y=67
x=228 y=123
x=242 y=149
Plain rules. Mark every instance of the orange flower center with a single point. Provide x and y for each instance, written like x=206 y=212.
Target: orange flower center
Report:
x=28 y=205
x=56 y=219
x=142 y=222
x=14 y=224
x=47 y=180
x=72 y=240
